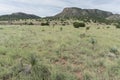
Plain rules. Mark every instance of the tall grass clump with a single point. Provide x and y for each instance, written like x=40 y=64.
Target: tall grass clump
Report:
x=87 y=76
x=41 y=72
x=93 y=42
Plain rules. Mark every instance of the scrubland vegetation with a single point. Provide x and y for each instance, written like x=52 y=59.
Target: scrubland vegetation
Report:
x=34 y=52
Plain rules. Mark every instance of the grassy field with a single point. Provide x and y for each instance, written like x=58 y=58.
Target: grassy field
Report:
x=59 y=53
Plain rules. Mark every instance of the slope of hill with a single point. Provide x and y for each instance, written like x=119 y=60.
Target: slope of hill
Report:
x=18 y=15
x=114 y=17
x=78 y=12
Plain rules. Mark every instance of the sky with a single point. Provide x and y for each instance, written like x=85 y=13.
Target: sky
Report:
x=45 y=8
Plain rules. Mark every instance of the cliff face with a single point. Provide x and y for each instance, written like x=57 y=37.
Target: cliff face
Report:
x=78 y=12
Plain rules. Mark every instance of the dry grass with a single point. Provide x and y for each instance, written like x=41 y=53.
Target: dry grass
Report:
x=63 y=54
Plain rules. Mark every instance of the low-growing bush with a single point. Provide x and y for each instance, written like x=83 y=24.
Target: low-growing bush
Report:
x=87 y=28
x=61 y=28
x=45 y=24
x=93 y=42
x=78 y=24
x=30 y=23
x=117 y=25
x=114 y=50
x=1 y=28
x=108 y=27
x=82 y=35
x=98 y=27
x=25 y=23
x=43 y=30
x=63 y=24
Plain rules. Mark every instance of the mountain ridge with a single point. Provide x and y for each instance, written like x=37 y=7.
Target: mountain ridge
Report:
x=68 y=12
x=18 y=16
x=79 y=12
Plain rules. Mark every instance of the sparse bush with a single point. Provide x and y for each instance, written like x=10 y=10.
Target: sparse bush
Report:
x=25 y=23
x=61 y=28
x=77 y=24
x=114 y=50
x=98 y=27
x=63 y=24
x=45 y=24
x=82 y=35
x=108 y=27
x=30 y=23
x=117 y=25
x=43 y=30
x=1 y=28
x=93 y=42
x=87 y=28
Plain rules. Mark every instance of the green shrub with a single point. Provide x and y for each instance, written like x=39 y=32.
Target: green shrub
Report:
x=87 y=28
x=43 y=30
x=61 y=28
x=77 y=24
x=98 y=27
x=117 y=25
x=108 y=27
x=45 y=24
x=114 y=50
x=1 y=28
x=63 y=24
x=93 y=42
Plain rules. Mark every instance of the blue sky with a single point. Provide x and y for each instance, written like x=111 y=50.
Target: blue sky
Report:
x=51 y=7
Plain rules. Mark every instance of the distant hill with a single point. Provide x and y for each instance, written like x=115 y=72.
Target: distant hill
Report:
x=95 y=15
x=85 y=14
x=18 y=15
